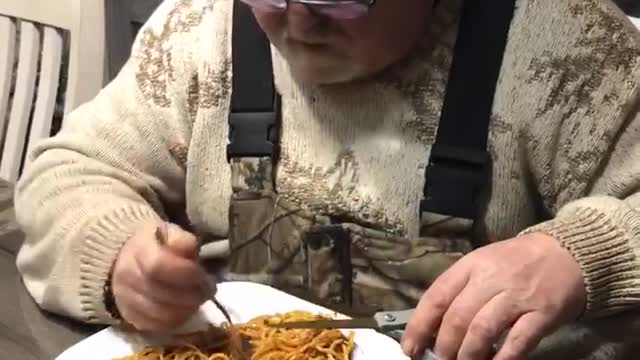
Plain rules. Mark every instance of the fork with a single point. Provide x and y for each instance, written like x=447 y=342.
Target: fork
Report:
x=161 y=238
x=240 y=345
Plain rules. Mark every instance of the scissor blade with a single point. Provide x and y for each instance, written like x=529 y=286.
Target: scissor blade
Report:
x=358 y=323
x=429 y=355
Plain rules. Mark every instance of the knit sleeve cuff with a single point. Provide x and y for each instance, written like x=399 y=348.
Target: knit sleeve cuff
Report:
x=100 y=248
x=608 y=262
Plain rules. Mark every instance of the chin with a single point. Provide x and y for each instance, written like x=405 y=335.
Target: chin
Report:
x=322 y=75
x=321 y=67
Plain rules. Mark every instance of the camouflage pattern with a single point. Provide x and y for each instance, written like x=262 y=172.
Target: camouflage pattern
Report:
x=340 y=264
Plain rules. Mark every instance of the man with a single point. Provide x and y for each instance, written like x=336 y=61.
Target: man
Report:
x=362 y=84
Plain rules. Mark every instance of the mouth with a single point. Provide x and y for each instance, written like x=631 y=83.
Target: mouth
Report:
x=315 y=41
x=309 y=45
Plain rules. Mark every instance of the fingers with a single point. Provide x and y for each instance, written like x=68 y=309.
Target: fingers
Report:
x=456 y=321
x=159 y=285
x=527 y=332
x=162 y=265
x=423 y=325
x=486 y=327
x=173 y=296
x=148 y=315
x=181 y=242
x=134 y=280
x=170 y=264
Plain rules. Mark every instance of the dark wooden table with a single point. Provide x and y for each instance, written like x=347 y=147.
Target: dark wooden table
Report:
x=26 y=333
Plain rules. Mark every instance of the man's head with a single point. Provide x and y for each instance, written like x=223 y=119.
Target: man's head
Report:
x=322 y=46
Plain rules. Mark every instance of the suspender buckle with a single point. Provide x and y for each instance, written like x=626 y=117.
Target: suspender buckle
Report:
x=253 y=134
x=455 y=181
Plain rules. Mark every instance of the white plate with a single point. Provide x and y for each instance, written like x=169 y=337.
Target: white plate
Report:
x=244 y=301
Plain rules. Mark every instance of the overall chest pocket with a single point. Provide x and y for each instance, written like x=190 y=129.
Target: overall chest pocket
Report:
x=367 y=268
x=278 y=244
x=266 y=240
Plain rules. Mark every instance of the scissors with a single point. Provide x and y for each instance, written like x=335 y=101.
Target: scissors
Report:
x=390 y=323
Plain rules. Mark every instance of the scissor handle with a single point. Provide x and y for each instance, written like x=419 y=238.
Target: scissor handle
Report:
x=393 y=320
x=397 y=336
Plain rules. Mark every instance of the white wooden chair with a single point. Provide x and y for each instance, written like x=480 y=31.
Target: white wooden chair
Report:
x=40 y=27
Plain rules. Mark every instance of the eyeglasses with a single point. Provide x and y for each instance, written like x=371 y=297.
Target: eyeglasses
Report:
x=335 y=9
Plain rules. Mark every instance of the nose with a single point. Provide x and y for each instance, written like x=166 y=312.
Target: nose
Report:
x=301 y=18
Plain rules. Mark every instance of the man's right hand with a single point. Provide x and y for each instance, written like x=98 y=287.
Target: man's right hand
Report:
x=156 y=287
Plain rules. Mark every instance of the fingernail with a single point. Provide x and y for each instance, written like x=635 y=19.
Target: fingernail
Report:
x=409 y=348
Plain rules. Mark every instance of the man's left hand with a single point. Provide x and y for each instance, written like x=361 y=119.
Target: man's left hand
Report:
x=522 y=288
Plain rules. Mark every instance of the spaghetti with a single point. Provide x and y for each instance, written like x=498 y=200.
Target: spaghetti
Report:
x=265 y=343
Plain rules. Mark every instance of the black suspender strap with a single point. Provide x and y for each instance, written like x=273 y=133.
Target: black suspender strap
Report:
x=255 y=104
x=458 y=171
x=459 y=165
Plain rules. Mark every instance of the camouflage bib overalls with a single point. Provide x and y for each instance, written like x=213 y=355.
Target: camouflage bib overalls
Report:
x=327 y=258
